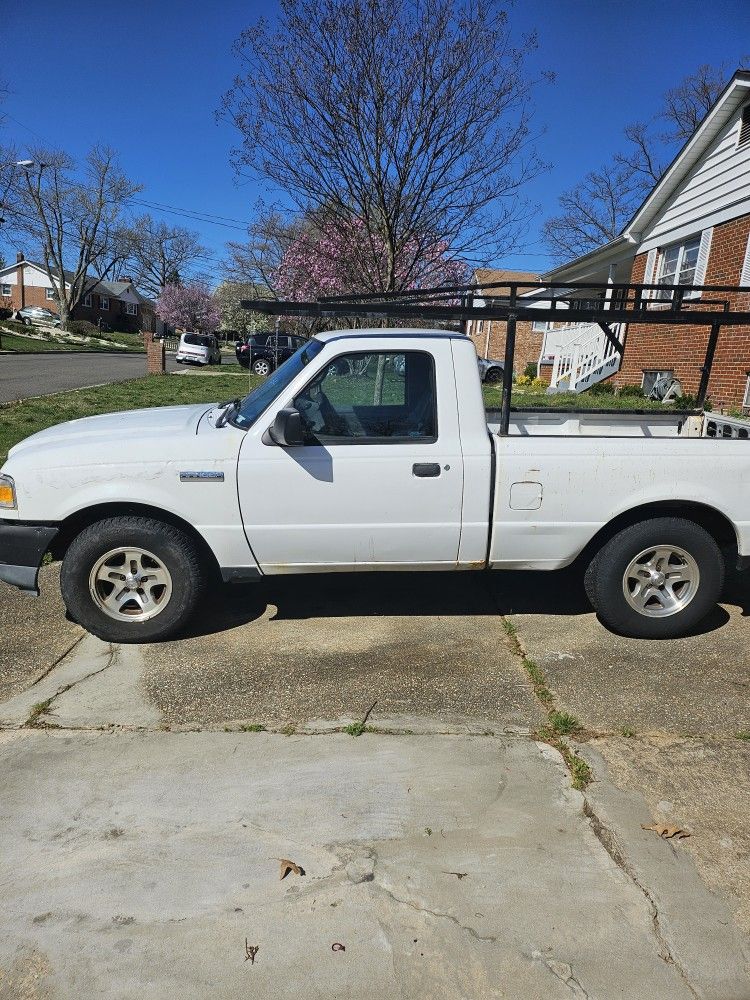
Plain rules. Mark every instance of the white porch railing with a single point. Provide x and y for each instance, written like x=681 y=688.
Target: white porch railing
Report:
x=584 y=356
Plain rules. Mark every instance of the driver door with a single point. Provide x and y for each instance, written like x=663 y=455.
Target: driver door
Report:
x=379 y=480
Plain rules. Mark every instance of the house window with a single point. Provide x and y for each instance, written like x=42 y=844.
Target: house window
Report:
x=49 y=294
x=744 y=137
x=746 y=400
x=6 y=291
x=87 y=300
x=652 y=375
x=540 y=326
x=104 y=303
x=677 y=265
x=131 y=308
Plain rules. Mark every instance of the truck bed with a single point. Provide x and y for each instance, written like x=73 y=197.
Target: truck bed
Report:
x=619 y=423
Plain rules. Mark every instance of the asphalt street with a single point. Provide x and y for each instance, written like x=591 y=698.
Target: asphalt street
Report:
x=25 y=375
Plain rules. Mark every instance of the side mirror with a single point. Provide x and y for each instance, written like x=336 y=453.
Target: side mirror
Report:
x=286 y=430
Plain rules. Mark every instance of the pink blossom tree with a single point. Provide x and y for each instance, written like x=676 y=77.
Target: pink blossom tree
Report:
x=341 y=257
x=188 y=307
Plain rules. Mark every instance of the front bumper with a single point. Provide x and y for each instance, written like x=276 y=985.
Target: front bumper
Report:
x=22 y=547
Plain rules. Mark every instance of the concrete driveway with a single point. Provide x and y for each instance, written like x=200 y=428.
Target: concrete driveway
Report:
x=25 y=375
x=445 y=849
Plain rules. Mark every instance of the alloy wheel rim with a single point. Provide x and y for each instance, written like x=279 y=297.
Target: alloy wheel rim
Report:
x=261 y=368
x=130 y=584
x=661 y=581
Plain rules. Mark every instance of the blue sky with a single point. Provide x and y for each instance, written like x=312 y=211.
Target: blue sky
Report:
x=149 y=77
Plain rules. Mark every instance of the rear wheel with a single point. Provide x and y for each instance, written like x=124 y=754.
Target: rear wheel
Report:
x=656 y=580
x=262 y=367
x=493 y=376
x=132 y=579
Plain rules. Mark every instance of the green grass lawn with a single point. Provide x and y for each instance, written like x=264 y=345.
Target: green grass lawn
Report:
x=19 y=420
x=18 y=343
x=571 y=401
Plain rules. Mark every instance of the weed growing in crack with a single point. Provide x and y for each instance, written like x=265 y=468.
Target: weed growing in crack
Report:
x=357 y=728
x=627 y=732
x=580 y=772
x=743 y=734
x=509 y=627
x=37 y=711
x=252 y=727
x=538 y=681
x=563 y=723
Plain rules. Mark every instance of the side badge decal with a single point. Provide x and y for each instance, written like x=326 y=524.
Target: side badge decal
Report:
x=201 y=477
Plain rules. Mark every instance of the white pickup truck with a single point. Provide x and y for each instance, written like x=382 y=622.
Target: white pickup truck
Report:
x=371 y=450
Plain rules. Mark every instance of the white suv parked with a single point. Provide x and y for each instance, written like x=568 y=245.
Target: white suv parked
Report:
x=198 y=349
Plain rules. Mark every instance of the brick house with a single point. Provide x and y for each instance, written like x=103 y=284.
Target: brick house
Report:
x=117 y=304
x=692 y=229
x=489 y=335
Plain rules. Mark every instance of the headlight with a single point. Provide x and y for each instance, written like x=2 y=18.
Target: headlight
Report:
x=7 y=493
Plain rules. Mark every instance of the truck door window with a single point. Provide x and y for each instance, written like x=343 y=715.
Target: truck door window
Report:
x=371 y=397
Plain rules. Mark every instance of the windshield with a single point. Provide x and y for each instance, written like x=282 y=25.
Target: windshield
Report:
x=251 y=407
x=196 y=339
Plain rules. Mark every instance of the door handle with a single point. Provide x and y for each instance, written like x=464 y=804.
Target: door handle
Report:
x=426 y=470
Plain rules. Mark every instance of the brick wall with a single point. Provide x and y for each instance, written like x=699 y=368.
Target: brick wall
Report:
x=155 y=355
x=683 y=348
x=528 y=343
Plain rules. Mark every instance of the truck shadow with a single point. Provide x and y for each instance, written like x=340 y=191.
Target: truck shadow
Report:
x=366 y=595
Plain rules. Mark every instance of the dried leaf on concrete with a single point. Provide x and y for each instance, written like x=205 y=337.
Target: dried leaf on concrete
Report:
x=289 y=866
x=666 y=831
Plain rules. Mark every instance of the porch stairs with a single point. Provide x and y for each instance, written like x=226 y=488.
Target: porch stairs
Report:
x=585 y=356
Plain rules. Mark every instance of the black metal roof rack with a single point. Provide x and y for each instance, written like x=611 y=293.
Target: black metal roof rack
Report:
x=510 y=301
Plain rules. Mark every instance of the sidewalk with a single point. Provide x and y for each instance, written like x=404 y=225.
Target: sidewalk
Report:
x=139 y=864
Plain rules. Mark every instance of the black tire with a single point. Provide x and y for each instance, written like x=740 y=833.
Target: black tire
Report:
x=605 y=588
x=26 y=321
x=493 y=376
x=265 y=367
x=175 y=550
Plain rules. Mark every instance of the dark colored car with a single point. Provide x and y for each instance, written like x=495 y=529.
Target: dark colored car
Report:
x=491 y=371
x=265 y=351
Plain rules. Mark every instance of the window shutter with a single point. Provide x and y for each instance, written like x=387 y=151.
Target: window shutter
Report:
x=648 y=274
x=745 y=273
x=703 y=251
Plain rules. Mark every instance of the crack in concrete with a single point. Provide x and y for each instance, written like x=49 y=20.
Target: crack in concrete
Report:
x=59 y=660
x=435 y=913
x=606 y=837
x=564 y=972
x=34 y=720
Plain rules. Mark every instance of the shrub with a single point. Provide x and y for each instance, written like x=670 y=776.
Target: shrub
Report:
x=602 y=389
x=530 y=371
x=523 y=380
x=6 y=313
x=686 y=402
x=632 y=390
x=16 y=327
x=83 y=328
x=539 y=384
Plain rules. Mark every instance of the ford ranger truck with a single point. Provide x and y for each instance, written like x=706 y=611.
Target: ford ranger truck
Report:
x=371 y=450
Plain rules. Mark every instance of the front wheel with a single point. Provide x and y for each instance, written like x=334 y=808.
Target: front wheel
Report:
x=657 y=579
x=132 y=579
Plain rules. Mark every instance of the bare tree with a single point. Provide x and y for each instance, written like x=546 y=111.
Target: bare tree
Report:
x=413 y=119
x=76 y=219
x=593 y=212
x=597 y=209
x=162 y=255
